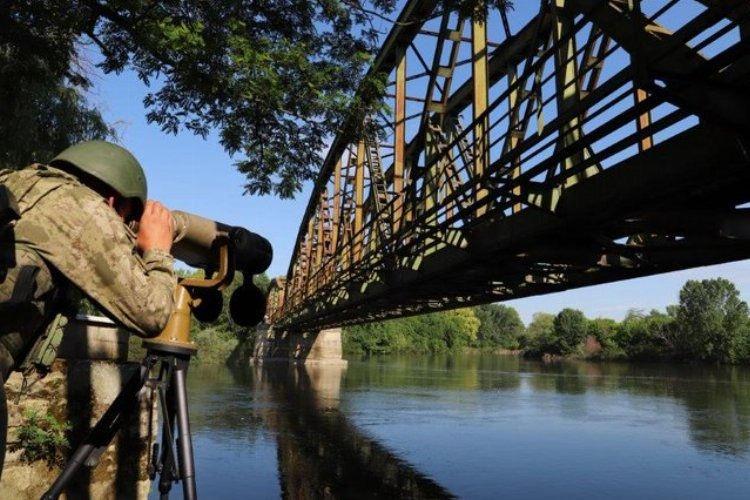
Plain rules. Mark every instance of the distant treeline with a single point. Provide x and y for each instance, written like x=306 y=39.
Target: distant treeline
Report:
x=710 y=323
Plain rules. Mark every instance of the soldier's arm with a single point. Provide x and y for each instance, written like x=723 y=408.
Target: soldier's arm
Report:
x=136 y=291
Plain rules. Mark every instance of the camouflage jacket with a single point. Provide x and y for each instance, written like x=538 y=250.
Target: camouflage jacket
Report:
x=84 y=240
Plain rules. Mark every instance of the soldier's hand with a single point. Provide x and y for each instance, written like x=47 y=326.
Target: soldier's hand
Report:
x=155 y=228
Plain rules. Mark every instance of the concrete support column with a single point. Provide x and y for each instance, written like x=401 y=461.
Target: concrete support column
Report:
x=323 y=346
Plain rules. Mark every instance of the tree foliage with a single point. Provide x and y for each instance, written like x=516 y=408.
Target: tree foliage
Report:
x=42 y=107
x=273 y=78
x=570 y=328
x=500 y=326
x=712 y=321
x=645 y=336
x=604 y=330
x=435 y=332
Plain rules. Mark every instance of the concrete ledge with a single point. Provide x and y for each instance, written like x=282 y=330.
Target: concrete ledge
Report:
x=94 y=337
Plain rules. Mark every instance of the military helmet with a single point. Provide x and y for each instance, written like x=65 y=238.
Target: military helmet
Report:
x=113 y=165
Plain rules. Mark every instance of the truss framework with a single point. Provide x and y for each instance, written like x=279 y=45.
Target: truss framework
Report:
x=602 y=140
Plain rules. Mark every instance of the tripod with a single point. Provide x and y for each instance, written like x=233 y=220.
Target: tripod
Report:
x=171 y=364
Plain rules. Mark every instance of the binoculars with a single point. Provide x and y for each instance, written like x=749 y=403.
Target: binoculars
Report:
x=220 y=249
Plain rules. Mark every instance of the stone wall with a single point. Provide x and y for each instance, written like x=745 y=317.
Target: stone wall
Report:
x=78 y=391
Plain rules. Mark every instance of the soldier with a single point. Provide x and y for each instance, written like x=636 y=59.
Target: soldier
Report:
x=72 y=233
x=68 y=230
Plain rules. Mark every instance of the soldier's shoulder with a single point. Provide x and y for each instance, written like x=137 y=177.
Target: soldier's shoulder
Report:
x=69 y=197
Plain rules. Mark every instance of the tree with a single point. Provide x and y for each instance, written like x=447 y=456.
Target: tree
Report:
x=541 y=324
x=570 y=330
x=459 y=327
x=541 y=327
x=434 y=332
x=42 y=107
x=712 y=321
x=500 y=326
x=275 y=79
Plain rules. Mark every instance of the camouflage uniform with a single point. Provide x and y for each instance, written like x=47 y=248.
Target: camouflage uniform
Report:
x=67 y=233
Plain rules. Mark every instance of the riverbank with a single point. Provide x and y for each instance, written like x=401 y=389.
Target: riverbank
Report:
x=709 y=324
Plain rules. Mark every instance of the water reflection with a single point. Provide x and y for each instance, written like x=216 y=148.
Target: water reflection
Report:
x=320 y=453
x=716 y=399
x=476 y=425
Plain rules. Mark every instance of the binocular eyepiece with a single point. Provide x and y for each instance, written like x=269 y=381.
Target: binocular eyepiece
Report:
x=196 y=241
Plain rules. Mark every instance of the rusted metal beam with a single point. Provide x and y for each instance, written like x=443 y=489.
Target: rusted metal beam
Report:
x=399 y=140
x=359 y=200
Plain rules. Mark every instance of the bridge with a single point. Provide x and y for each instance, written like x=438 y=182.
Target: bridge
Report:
x=598 y=141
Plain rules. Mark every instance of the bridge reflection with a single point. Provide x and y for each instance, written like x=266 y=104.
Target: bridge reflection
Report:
x=321 y=454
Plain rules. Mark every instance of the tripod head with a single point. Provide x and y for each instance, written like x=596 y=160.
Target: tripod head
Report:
x=220 y=250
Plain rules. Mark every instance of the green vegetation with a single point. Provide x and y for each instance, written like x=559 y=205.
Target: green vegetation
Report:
x=42 y=437
x=711 y=323
x=500 y=326
x=434 y=332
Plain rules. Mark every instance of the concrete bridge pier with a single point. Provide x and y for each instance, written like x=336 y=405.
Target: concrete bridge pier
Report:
x=323 y=346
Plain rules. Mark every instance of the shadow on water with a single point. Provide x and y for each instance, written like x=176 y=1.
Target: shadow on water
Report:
x=321 y=454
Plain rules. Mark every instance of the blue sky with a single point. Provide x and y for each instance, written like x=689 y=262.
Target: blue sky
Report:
x=188 y=173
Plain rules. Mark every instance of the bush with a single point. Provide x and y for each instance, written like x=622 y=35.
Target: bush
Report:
x=642 y=336
x=604 y=330
x=538 y=334
x=42 y=437
x=433 y=332
x=214 y=345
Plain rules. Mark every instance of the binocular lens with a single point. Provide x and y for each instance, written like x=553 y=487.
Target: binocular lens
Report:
x=247 y=306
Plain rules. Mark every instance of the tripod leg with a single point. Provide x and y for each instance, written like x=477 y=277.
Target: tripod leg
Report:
x=167 y=461
x=103 y=432
x=185 y=443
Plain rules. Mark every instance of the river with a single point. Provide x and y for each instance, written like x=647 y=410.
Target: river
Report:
x=471 y=426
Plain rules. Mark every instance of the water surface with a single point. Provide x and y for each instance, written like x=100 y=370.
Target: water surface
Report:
x=474 y=426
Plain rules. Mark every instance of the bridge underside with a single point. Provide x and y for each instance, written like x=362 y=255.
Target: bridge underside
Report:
x=603 y=191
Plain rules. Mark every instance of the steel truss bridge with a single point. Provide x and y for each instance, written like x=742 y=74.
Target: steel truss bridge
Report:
x=602 y=140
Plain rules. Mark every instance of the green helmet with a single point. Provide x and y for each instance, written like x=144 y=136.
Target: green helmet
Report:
x=114 y=165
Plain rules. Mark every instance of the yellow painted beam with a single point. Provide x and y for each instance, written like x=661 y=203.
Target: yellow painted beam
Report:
x=481 y=98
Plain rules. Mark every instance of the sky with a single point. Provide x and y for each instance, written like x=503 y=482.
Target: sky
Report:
x=189 y=173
